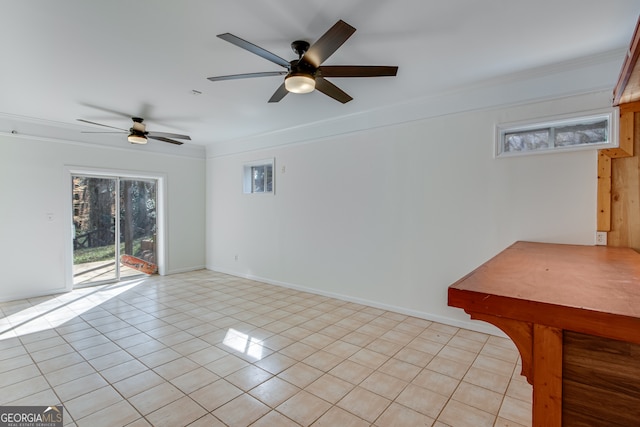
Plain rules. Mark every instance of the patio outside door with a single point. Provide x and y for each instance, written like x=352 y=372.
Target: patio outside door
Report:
x=112 y=216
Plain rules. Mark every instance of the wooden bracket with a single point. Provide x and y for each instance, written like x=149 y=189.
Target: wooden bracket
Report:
x=521 y=333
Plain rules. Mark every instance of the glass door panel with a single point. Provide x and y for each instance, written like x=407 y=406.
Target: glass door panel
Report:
x=137 y=226
x=94 y=235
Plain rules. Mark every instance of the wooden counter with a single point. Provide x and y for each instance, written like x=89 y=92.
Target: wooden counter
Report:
x=574 y=314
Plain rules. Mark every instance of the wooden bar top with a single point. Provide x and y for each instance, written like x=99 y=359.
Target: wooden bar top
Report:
x=589 y=289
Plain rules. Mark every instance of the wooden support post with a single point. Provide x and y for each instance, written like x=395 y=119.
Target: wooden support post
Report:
x=547 y=376
x=604 y=192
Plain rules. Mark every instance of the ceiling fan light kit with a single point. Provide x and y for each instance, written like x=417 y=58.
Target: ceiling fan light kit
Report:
x=137 y=139
x=306 y=74
x=299 y=83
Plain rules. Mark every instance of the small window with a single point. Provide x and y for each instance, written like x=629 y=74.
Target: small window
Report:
x=258 y=177
x=585 y=132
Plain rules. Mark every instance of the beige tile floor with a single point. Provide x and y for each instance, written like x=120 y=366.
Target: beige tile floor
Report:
x=208 y=349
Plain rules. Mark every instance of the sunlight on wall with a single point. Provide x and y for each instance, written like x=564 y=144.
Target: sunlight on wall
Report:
x=59 y=309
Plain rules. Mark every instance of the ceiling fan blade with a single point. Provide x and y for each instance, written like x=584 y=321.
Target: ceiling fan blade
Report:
x=357 y=71
x=104 y=132
x=328 y=43
x=254 y=49
x=247 y=75
x=100 y=124
x=280 y=93
x=108 y=110
x=167 y=135
x=162 y=138
x=332 y=90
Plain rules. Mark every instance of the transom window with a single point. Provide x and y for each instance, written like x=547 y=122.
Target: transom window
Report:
x=585 y=132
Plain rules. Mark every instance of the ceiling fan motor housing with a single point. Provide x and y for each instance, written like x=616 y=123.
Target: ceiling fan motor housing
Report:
x=302 y=67
x=138 y=127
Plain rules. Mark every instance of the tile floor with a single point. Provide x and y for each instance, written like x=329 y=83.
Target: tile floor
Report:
x=208 y=349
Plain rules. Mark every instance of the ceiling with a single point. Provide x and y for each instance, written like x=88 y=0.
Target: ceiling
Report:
x=109 y=60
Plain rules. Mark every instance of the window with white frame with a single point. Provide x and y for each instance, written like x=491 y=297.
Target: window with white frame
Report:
x=258 y=177
x=589 y=131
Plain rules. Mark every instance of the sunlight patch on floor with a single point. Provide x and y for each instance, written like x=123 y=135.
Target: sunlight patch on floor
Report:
x=60 y=309
x=243 y=343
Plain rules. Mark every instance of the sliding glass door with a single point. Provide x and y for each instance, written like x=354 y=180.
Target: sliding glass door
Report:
x=114 y=228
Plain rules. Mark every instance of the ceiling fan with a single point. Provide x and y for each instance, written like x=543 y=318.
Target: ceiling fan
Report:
x=305 y=74
x=138 y=133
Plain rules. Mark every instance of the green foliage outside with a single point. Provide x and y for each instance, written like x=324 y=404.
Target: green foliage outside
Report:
x=101 y=253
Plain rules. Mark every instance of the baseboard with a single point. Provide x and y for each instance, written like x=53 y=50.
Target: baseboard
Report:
x=473 y=325
x=49 y=292
x=184 y=270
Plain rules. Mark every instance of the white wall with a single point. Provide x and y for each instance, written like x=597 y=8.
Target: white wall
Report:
x=33 y=183
x=393 y=216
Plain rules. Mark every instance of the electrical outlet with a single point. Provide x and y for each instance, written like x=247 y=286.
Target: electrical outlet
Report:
x=601 y=238
x=236 y=257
